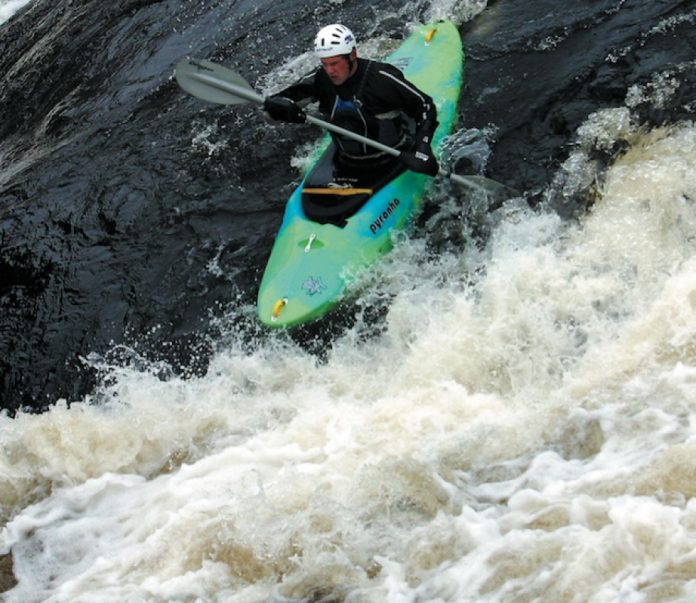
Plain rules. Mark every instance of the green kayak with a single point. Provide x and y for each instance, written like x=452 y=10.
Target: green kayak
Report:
x=329 y=234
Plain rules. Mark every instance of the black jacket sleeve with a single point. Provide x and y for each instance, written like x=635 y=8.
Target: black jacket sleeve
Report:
x=414 y=102
x=303 y=91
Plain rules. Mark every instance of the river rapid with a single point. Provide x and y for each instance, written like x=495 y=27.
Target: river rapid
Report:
x=504 y=410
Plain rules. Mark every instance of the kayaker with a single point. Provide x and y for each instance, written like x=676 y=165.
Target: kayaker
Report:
x=367 y=97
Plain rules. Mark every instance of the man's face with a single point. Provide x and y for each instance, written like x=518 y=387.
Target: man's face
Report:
x=338 y=68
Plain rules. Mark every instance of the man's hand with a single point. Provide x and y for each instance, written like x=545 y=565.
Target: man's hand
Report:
x=283 y=109
x=420 y=159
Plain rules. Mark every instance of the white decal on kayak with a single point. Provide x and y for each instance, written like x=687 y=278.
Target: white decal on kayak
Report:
x=384 y=216
x=313 y=285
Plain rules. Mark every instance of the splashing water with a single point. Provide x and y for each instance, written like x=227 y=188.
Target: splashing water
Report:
x=519 y=425
x=521 y=434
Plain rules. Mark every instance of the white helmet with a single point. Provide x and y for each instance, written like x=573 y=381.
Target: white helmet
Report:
x=333 y=40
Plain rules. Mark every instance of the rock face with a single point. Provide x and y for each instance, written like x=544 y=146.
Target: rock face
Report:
x=130 y=213
x=117 y=192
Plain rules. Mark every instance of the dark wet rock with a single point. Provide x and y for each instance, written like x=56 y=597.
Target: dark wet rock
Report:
x=7 y=579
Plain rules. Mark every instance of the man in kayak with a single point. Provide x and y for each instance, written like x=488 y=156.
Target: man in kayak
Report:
x=367 y=97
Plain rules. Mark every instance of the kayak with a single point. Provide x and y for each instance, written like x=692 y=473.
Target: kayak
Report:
x=333 y=228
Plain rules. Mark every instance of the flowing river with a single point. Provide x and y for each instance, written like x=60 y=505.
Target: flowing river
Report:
x=505 y=409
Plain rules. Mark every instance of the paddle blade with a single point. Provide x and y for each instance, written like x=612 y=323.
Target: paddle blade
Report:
x=214 y=83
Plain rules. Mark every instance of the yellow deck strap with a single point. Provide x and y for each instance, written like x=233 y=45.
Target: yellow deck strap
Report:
x=337 y=191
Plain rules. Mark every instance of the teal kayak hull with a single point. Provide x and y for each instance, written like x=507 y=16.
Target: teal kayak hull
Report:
x=312 y=264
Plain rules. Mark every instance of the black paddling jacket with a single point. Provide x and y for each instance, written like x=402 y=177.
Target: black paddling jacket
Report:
x=373 y=102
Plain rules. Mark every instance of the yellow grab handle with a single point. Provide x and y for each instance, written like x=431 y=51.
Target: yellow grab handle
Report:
x=278 y=306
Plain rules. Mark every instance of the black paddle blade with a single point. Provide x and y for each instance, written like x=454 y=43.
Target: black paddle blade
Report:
x=213 y=83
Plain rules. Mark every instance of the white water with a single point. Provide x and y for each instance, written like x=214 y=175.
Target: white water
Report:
x=10 y=7
x=524 y=429
x=524 y=434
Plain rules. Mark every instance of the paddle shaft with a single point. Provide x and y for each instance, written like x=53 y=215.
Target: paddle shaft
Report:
x=250 y=95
